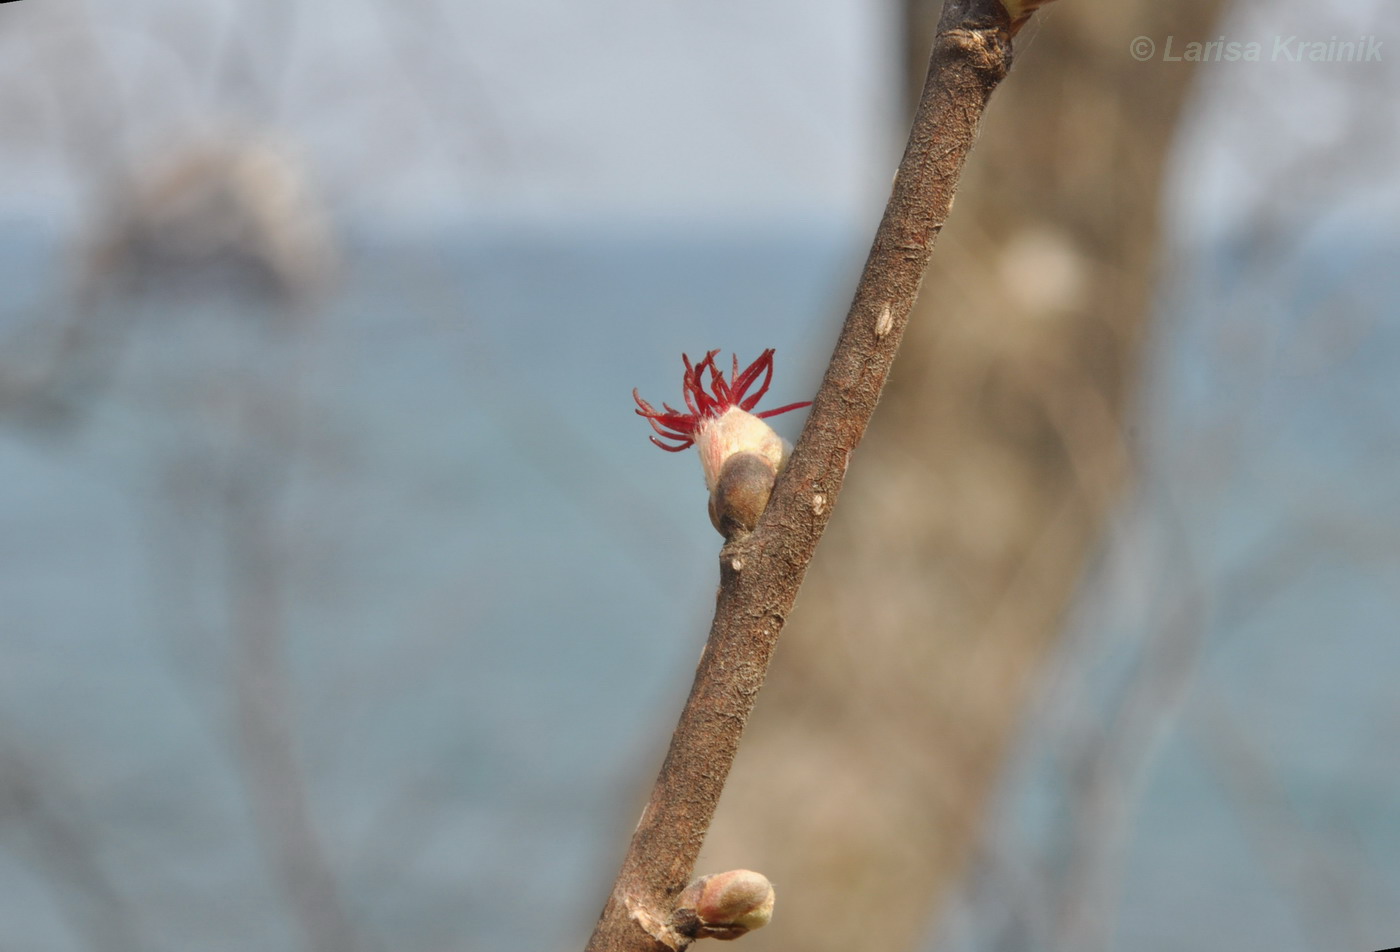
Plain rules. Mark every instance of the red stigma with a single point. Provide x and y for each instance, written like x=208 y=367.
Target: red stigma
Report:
x=722 y=395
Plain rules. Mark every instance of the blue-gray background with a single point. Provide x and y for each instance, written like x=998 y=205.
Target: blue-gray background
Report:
x=491 y=588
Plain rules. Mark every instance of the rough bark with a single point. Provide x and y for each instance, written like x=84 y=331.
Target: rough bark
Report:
x=981 y=489
x=760 y=572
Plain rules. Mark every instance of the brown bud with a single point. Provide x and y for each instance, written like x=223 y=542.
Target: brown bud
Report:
x=741 y=493
x=728 y=905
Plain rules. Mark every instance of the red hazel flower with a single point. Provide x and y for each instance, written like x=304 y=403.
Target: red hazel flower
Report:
x=672 y=424
x=722 y=428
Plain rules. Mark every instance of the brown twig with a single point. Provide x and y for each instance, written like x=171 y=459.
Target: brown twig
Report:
x=761 y=572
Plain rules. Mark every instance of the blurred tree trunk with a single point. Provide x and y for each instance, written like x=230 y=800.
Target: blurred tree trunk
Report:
x=977 y=499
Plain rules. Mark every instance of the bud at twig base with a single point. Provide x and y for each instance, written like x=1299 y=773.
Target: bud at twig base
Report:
x=727 y=905
x=740 y=456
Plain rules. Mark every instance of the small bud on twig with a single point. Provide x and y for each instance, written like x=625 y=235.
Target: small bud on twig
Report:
x=726 y=905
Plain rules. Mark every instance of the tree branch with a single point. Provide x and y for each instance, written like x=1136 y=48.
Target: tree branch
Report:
x=760 y=572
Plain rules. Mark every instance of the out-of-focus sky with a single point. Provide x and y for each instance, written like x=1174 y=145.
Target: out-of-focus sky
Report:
x=710 y=111
x=1265 y=136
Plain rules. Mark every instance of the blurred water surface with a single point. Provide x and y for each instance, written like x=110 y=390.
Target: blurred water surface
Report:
x=488 y=590
x=487 y=586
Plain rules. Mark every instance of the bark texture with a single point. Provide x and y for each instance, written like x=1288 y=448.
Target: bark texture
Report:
x=984 y=482
x=760 y=572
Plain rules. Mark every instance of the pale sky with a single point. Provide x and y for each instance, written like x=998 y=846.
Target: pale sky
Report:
x=423 y=110
x=1264 y=141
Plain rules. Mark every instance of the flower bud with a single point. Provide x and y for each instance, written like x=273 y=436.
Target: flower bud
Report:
x=728 y=905
x=737 y=431
x=740 y=456
x=739 y=453
x=740 y=494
